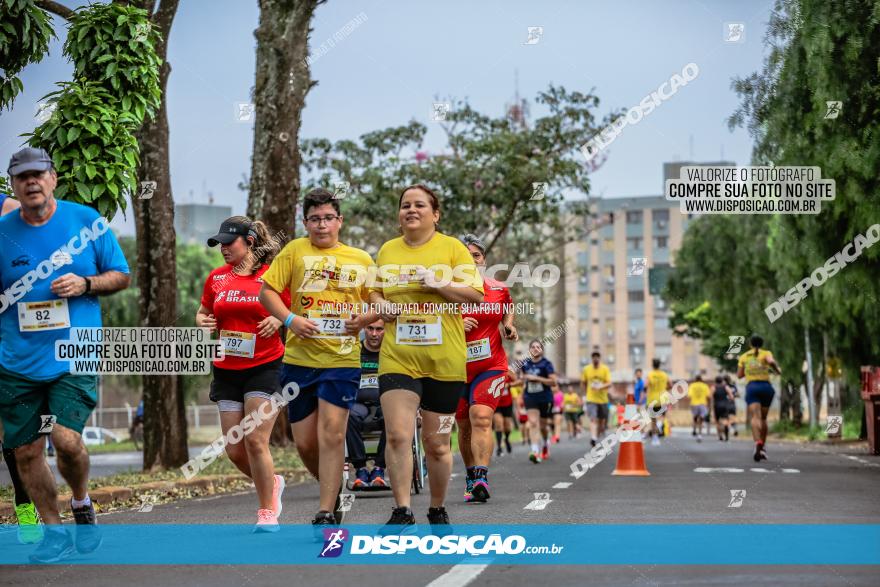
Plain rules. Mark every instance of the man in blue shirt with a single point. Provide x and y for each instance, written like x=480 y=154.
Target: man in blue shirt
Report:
x=56 y=257
x=639 y=388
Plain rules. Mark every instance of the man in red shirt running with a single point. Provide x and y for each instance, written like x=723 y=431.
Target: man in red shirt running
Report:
x=486 y=375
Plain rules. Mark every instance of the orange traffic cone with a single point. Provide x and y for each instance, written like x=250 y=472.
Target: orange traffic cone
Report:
x=630 y=456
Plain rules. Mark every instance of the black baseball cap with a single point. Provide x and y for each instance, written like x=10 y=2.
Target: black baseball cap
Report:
x=229 y=231
x=29 y=159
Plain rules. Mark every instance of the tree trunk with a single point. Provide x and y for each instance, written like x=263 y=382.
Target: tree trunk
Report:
x=165 y=432
x=785 y=403
x=282 y=82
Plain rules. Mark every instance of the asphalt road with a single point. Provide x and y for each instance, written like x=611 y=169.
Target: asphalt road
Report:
x=800 y=484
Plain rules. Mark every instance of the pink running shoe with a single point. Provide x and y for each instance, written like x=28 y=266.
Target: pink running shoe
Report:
x=276 y=495
x=267 y=521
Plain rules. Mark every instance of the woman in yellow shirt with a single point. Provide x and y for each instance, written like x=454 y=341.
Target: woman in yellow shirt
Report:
x=424 y=276
x=755 y=365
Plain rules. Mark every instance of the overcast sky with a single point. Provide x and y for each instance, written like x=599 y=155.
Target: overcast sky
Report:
x=389 y=69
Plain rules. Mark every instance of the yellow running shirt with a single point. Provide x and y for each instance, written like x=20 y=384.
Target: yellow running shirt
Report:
x=596 y=375
x=321 y=282
x=756 y=366
x=424 y=341
x=570 y=403
x=657 y=384
x=698 y=393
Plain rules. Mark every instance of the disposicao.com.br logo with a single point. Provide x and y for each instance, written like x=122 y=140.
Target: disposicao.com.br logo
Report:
x=454 y=544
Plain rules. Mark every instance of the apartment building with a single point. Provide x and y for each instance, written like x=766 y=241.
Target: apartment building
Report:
x=608 y=288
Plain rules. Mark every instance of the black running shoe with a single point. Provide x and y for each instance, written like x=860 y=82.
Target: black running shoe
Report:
x=439 y=520
x=508 y=446
x=88 y=535
x=402 y=521
x=480 y=491
x=56 y=546
x=321 y=521
x=757 y=456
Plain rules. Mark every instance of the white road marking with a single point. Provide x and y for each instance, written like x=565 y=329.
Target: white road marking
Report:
x=761 y=470
x=790 y=471
x=717 y=470
x=541 y=501
x=562 y=485
x=458 y=576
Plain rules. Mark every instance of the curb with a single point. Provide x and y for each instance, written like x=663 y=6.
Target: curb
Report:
x=104 y=497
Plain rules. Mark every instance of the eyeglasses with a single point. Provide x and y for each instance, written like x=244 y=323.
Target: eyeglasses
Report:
x=317 y=219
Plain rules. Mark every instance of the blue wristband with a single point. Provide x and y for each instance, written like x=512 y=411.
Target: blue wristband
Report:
x=288 y=320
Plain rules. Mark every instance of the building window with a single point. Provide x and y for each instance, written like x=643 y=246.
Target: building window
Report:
x=609 y=297
x=595 y=320
x=608 y=244
x=662 y=352
x=582 y=260
x=636 y=295
x=584 y=311
x=595 y=294
x=594 y=268
x=661 y=242
x=661 y=324
x=634 y=243
x=608 y=270
x=660 y=216
x=594 y=241
x=583 y=335
x=634 y=217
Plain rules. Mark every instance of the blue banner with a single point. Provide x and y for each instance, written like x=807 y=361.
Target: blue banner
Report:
x=522 y=544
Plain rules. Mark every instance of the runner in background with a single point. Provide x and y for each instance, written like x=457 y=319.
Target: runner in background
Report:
x=755 y=365
x=247 y=376
x=29 y=529
x=517 y=395
x=558 y=401
x=323 y=352
x=596 y=380
x=571 y=406
x=721 y=398
x=539 y=375
x=658 y=384
x=486 y=375
x=639 y=396
x=698 y=393
x=503 y=418
x=734 y=391
x=368 y=394
x=423 y=363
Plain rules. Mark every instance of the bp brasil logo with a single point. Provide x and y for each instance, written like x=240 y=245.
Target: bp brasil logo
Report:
x=334 y=541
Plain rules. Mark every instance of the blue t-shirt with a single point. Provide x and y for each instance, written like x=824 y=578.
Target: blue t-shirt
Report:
x=542 y=368
x=638 y=390
x=50 y=251
x=2 y=201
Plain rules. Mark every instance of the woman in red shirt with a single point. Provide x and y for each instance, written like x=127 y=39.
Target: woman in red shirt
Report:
x=247 y=376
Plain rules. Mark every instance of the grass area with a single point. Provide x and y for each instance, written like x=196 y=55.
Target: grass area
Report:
x=110 y=447
x=852 y=425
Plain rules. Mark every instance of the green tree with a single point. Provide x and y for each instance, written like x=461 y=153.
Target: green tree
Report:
x=113 y=110
x=821 y=52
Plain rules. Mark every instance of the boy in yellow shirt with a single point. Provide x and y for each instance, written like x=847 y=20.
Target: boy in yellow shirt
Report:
x=698 y=393
x=658 y=385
